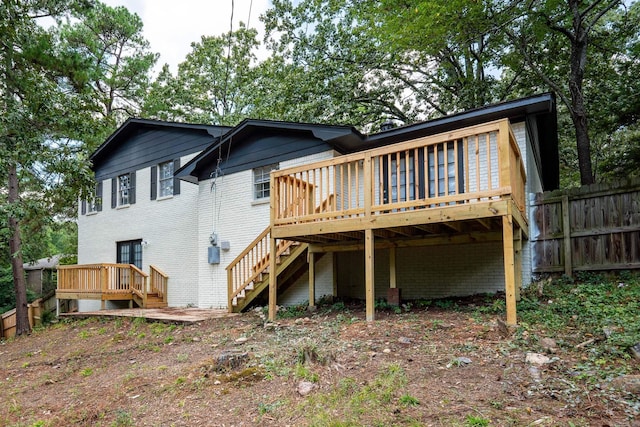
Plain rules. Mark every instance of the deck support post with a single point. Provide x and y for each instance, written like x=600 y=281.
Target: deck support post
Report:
x=312 y=279
x=517 y=245
x=369 y=273
x=103 y=305
x=392 y=268
x=273 y=280
x=509 y=268
x=334 y=265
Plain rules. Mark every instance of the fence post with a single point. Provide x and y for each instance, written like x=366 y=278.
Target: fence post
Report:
x=566 y=231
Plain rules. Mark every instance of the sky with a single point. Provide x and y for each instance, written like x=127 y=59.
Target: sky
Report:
x=171 y=26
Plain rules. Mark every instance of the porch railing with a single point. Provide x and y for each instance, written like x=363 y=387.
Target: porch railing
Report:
x=470 y=165
x=158 y=281
x=110 y=281
x=251 y=263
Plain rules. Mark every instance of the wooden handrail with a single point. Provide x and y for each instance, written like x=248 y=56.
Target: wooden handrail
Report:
x=111 y=278
x=158 y=282
x=254 y=260
x=478 y=163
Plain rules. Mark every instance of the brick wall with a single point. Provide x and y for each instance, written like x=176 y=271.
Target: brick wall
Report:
x=166 y=224
x=226 y=205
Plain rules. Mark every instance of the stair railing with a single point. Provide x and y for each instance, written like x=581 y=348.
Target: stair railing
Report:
x=251 y=263
x=158 y=282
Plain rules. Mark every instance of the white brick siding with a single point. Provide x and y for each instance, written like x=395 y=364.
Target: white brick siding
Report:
x=427 y=272
x=227 y=207
x=166 y=224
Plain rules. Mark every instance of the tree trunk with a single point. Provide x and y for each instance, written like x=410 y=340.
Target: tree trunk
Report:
x=578 y=59
x=15 y=246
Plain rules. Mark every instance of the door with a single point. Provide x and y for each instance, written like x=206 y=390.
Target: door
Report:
x=130 y=252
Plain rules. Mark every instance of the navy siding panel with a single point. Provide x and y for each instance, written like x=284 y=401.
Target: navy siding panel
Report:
x=176 y=181
x=264 y=150
x=150 y=147
x=99 y=196
x=154 y=182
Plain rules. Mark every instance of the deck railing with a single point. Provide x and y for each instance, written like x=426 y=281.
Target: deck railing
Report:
x=251 y=263
x=158 y=281
x=95 y=280
x=247 y=267
x=473 y=164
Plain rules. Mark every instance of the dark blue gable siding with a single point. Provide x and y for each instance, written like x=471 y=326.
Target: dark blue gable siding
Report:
x=260 y=150
x=150 y=146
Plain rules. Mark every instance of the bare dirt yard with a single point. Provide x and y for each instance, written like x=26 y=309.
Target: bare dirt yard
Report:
x=449 y=364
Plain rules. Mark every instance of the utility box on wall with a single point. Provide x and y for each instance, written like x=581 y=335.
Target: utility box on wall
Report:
x=214 y=255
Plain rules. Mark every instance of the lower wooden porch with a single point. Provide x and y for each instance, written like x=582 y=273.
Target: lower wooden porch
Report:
x=113 y=282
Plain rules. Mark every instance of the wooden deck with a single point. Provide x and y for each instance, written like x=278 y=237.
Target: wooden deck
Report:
x=113 y=282
x=461 y=186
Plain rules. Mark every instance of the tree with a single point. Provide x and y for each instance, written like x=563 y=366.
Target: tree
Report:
x=340 y=73
x=557 y=35
x=116 y=59
x=212 y=85
x=41 y=159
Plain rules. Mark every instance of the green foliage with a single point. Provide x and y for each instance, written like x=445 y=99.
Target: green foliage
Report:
x=592 y=305
x=475 y=421
x=408 y=400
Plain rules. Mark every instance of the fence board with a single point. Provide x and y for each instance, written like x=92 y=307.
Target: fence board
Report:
x=590 y=228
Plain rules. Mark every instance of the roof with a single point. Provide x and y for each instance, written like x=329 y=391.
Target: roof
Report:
x=340 y=137
x=43 y=263
x=135 y=124
x=515 y=110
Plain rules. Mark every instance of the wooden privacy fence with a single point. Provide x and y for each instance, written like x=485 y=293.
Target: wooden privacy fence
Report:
x=35 y=311
x=595 y=227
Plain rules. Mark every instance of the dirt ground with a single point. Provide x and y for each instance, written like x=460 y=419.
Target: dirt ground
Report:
x=434 y=367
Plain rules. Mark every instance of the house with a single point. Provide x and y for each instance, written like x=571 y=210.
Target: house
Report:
x=434 y=209
x=41 y=274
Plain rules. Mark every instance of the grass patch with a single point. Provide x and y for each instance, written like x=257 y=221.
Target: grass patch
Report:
x=373 y=401
x=589 y=307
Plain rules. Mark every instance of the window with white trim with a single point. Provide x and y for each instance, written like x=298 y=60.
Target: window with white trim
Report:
x=261 y=181
x=165 y=181
x=124 y=188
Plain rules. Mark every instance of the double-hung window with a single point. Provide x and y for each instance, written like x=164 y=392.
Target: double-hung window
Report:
x=165 y=180
x=94 y=204
x=163 y=183
x=261 y=181
x=123 y=190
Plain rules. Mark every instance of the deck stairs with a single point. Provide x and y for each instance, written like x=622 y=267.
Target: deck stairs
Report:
x=154 y=300
x=291 y=264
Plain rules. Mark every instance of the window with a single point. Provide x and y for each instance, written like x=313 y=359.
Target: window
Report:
x=130 y=252
x=446 y=172
x=404 y=177
x=261 y=181
x=166 y=179
x=123 y=190
x=95 y=204
x=163 y=183
x=124 y=186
